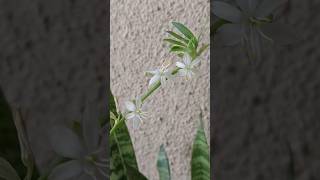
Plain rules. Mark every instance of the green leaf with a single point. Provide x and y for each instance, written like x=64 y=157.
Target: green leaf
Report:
x=200 y=161
x=202 y=49
x=7 y=171
x=174 y=42
x=177 y=36
x=9 y=142
x=112 y=103
x=184 y=30
x=178 y=49
x=122 y=153
x=163 y=165
x=134 y=174
x=217 y=25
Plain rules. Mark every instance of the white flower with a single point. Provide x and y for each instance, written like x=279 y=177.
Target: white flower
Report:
x=134 y=111
x=86 y=152
x=187 y=66
x=161 y=74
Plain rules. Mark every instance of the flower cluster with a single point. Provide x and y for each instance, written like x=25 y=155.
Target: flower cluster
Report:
x=186 y=68
x=186 y=46
x=250 y=22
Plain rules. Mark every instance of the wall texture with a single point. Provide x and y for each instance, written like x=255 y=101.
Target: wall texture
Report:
x=137 y=30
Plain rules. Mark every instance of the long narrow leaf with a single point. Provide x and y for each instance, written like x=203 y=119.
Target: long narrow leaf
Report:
x=174 y=42
x=184 y=30
x=177 y=36
x=163 y=165
x=122 y=152
x=9 y=141
x=200 y=162
x=202 y=49
x=178 y=49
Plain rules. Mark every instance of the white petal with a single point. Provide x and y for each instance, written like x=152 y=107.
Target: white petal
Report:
x=187 y=59
x=131 y=115
x=138 y=103
x=66 y=143
x=66 y=170
x=152 y=72
x=190 y=74
x=135 y=123
x=182 y=72
x=163 y=80
x=180 y=65
x=154 y=79
x=130 y=106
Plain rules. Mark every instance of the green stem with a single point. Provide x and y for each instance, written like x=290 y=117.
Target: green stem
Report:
x=155 y=87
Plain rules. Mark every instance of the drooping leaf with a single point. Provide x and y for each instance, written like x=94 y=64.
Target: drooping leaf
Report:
x=177 y=36
x=200 y=161
x=202 y=49
x=184 y=30
x=226 y=11
x=216 y=25
x=229 y=34
x=112 y=104
x=7 y=172
x=9 y=142
x=174 y=42
x=163 y=165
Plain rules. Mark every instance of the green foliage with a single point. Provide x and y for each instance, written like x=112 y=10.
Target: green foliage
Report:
x=200 y=162
x=13 y=139
x=184 y=42
x=9 y=142
x=163 y=165
x=7 y=171
x=123 y=165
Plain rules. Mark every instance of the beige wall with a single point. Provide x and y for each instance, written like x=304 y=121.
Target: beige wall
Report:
x=137 y=30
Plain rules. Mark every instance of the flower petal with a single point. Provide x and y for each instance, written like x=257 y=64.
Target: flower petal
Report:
x=91 y=128
x=248 y=6
x=135 y=123
x=131 y=115
x=66 y=170
x=130 y=106
x=66 y=143
x=182 y=72
x=229 y=34
x=154 y=79
x=227 y=12
x=180 y=65
x=267 y=7
x=187 y=59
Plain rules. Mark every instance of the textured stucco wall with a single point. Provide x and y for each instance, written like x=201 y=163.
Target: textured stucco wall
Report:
x=137 y=30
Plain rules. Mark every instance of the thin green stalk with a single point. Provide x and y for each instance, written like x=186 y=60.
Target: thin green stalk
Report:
x=155 y=87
